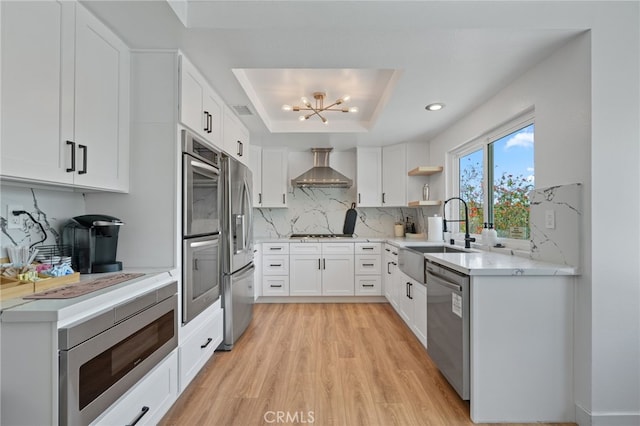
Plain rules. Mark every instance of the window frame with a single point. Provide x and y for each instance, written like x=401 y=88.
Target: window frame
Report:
x=483 y=142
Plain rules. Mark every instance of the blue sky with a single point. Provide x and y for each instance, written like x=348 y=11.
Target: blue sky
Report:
x=514 y=153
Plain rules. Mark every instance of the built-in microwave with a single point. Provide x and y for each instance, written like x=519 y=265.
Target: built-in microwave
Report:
x=200 y=187
x=102 y=357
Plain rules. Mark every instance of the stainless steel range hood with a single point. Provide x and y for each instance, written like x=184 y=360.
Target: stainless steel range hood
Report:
x=321 y=175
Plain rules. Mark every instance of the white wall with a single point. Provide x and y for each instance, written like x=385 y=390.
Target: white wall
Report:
x=587 y=130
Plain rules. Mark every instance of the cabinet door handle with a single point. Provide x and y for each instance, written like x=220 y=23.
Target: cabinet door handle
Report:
x=259 y=197
x=359 y=198
x=387 y=250
x=206 y=121
x=283 y=199
x=319 y=267
x=275 y=285
x=240 y=149
x=209 y=340
x=84 y=159
x=210 y=123
x=324 y=263
x=73 y=157
x=409 y=290
x=388 y=266
x=144 y=410
x=383 y=198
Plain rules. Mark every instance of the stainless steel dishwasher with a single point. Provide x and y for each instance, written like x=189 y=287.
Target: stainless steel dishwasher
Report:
x=448 y=324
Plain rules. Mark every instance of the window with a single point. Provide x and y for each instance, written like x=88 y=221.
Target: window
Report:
x=494 y=176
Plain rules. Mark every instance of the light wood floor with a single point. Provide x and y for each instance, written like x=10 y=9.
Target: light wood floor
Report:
x=321 y=364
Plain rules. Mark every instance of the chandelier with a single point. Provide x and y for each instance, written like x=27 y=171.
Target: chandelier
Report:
x=319 y=107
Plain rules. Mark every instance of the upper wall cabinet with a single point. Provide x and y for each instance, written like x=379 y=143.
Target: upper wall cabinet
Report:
x=270 y=170
x=200 y=106
x=381 y=176
x=369 y=176
x=65 y=97
x=235 y=137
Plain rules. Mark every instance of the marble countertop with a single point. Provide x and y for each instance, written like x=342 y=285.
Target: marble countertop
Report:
x=64 y=311
x=475 y=262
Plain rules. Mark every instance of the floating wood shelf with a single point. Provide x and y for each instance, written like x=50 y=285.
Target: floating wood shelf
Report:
x=424 y=203
x=425 y=170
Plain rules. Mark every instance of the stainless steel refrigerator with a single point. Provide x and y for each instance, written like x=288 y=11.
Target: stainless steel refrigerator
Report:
x=237 y=250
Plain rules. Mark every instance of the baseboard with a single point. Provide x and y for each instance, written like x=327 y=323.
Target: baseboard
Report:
x=586 y=418
x=321 y=299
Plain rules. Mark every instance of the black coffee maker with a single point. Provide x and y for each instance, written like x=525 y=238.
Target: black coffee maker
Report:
x=93 y=239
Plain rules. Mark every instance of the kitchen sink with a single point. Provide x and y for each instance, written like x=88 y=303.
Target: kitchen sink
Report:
x=436 y=249
x=411 y=259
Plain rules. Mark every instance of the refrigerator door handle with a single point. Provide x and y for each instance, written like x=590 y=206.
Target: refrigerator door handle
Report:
x=240 y=233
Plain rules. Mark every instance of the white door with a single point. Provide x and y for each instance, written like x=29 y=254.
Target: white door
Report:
x=274 y=177
x=338 y=275
x=99 y=91
x=305 y=277
x=419 y=326
x=31 y=92
x=369 y=177
x=191 y=98
x=394 y=175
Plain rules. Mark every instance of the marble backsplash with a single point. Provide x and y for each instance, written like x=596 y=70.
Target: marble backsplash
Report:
x=322 y=210
x=51 y=208
x=560 y=243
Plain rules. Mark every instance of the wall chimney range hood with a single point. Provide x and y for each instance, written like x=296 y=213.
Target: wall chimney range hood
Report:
x=321 y=175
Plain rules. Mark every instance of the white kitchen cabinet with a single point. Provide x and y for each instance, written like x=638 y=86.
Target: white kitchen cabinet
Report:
x=321 y=269
x=198 y=340
x=369 y=176
x=270 y=174
x=235 y=137
x=200 y=107
x=275 y=269
x=391 y=275
x=394 y=176
x=368 y=259
x=65 y=103
x=381 y=176
x=147 y=401
x=413 y=307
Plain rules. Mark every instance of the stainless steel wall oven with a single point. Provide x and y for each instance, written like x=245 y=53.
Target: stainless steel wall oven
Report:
x=102 y=357
x=201 y=201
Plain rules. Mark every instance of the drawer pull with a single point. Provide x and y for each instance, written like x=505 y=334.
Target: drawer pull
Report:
x=276 y=285
x=275 y=264
x=367 y=248
x=209 y=340
x=143 y=411
x=275 y=248
x=367 y=264
x=367 y=285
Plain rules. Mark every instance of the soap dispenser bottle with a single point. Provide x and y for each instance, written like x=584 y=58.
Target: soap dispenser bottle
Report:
x=484 y=235
x=493 y=236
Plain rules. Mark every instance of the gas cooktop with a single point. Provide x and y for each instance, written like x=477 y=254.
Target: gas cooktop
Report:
x=321 y=236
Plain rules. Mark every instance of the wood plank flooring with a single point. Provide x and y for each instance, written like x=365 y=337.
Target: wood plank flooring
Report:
x=322 y=364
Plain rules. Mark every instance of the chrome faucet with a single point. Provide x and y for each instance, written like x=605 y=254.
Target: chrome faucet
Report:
x=467 y=238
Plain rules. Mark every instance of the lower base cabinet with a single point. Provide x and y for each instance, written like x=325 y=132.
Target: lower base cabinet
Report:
x=147 y=401
x=200 y=344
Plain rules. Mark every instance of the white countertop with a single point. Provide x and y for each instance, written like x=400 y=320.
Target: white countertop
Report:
x=68 y=310
x=488 y=263
x=475 y=262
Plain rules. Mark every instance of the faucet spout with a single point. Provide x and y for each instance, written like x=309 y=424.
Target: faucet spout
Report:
x=468 y=239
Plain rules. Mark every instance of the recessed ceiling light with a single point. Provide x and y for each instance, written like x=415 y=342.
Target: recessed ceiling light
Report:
x=434 y=107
